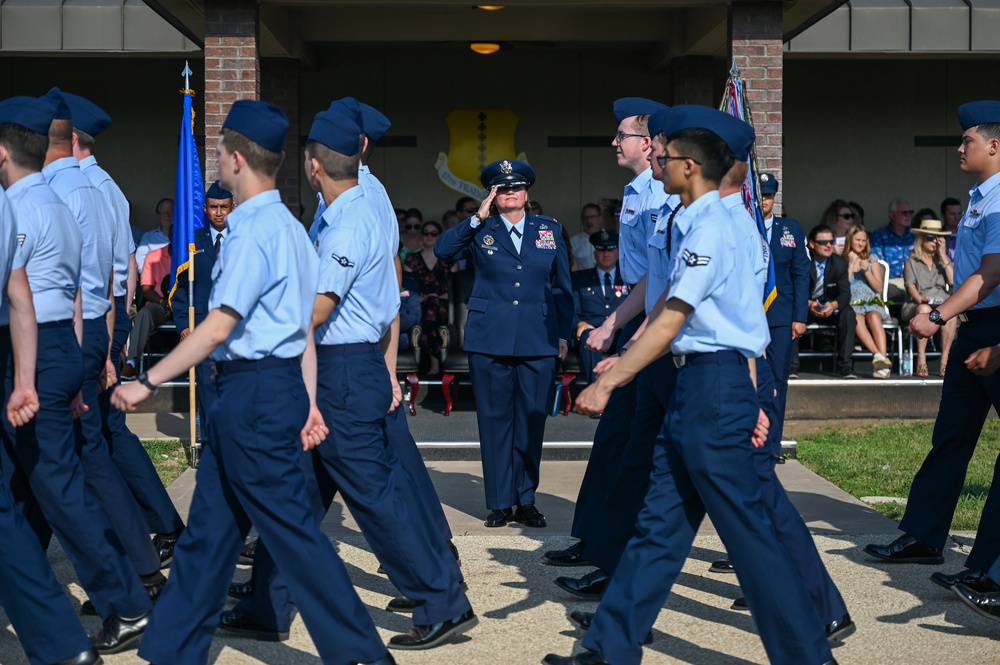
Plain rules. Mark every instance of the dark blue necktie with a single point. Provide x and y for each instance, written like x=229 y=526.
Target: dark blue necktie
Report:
x=607 y=285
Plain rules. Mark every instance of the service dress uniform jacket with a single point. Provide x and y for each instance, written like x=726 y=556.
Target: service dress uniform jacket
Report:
x=521 y=306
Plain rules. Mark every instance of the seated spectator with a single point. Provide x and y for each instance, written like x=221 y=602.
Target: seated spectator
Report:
x=866 y=298
x=859 y=213
x=840 y=217
x=893 y=243
x=921 y=215
x=951 y=215
x=409 y=233
x=449 y=219
x=581 y=248
x=830 y=296
x=155 y=312
x=929 y=274
x=611 y=212
x=534 y=207
x=431 y=274
x=409 y=311
x=597 y=292
x=466 y=207
x=158 y=237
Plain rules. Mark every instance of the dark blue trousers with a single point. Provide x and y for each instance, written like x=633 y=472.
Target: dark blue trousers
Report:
x=965 y=402
x=104 y=480
x=354 y=393
x=588 y=358
x=35 y=603
x=207 y=393
x=702 y=463
x=127 y=452
x=42 y=456
x=792 y=531
x=617 y=514
x=513 y=398
x=779 y=356
x=610 y=440
x=251 y=473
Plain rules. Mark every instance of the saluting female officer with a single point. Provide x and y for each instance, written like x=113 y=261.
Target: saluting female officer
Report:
x=520 y=314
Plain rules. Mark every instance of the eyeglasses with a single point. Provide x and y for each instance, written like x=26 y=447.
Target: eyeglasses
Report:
x=411 y=227
x=431 y=233
x=470 y=211
x=846 y=215
x=906 y=213
x=663 y=159
x=824 y=243
x=621 y=136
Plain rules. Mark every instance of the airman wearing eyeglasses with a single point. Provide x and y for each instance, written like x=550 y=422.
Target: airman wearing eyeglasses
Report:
x=894 y=242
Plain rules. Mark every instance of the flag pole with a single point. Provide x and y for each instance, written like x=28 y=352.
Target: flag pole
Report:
x=192 y=388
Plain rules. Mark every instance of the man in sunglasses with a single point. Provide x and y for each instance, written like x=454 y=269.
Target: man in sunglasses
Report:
x=894 y=243
x=830 y=296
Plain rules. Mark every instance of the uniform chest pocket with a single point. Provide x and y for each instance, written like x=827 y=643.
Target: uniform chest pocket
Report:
x=659 y=262
x=972 y=221
x=478 y=304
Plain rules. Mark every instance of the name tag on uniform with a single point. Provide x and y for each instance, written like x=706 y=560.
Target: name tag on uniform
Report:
x=546 y=240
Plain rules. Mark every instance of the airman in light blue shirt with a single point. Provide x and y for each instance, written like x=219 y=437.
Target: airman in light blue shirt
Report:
x=641 y=204
x=710 y=271
x=51 y=245
x=124 y=246
x=93 y=215
x=9 y=256
x=757 y=248
x=267 y=273
x=979 y=234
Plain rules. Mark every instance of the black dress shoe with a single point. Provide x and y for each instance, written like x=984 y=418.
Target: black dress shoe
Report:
x=591 y=586
x=401 y=605
x=387 y=659
x=974 y=579
x=906 y=549
x=241 y=590
x=583 y=658
x=454 y=552
x=722 y=566
x=154 y=589
x=528 y=515
x=428 y=637
x=571 y=556
x=838 y=631
x=249 y=549
x=740 y=604
x=119 y=633
x=88 y=657
x=584 y=619
x=165 y=544
x=499 y=517
x=238 y=624
x=984 y=603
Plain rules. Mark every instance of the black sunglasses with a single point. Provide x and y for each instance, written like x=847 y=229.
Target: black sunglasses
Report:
x=846 y=215
x=431 y=233
x=663 y=159
x=823 y=242
x=409 y=227
x=470 y=210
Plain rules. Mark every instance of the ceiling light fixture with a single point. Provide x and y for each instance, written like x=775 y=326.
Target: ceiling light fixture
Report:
x=484 y=48
x=490 y=8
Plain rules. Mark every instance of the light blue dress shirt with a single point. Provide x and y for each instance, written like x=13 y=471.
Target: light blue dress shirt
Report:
x=379 y=198
x=658 y=277
x=91 y=211
x=124 y=245
x=757 y=248
x=979 y=235
x=712 y=272
x=641 y=205
x=51 y=247
x=267 y=272
x=515 y=238
x=354 y=263
x=9 y=256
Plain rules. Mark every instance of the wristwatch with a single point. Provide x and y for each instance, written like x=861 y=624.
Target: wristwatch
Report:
x=935 y=317
x=144 y=380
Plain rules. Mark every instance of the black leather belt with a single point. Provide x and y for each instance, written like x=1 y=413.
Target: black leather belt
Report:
x=727 y=357
x=980 y=315
x=352 y=349
x=233 y=366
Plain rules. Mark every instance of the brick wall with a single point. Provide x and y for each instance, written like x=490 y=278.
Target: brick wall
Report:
x=232 y=67
x=280 y=85
x=692 y=81
x=755 y=35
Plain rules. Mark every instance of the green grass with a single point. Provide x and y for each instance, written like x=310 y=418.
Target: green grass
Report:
x=881 y=460
x=169 y=457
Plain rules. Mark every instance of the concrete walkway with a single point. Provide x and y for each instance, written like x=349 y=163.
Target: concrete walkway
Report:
x=901 y=616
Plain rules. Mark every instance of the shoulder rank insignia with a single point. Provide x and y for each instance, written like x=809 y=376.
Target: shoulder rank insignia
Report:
x=653 y=217
x=488 y=240
x=693 y=259
x=342 y=260
x=20 y=239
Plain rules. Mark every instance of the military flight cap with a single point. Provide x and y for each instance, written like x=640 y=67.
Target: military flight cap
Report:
x=338 y=127
x=262 y=122
x=374 y=122
x=626 y=107
x=507 y=173
x=978 y=113
x=62 y=109
x=604 y=240
x=34 y=114
x=87 y=116
x=736 y=134
x=217 y=192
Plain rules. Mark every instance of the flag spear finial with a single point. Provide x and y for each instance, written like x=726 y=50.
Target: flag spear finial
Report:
x=187 y=75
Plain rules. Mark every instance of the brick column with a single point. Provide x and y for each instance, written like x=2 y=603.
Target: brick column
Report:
x=755 y=42
x=232 y=66
x=280 y=85
x=692 y=81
